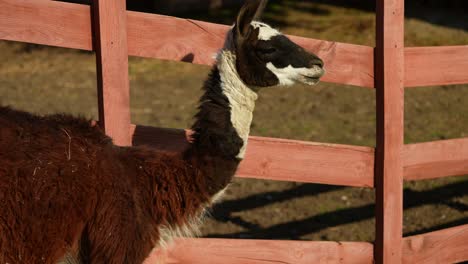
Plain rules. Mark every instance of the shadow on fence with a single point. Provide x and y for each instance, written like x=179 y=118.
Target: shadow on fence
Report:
x=223 y=212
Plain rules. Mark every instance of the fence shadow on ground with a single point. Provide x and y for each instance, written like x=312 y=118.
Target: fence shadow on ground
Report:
x=223 y=212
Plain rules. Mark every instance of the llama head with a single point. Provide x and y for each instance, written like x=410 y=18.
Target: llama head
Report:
x=265 y=57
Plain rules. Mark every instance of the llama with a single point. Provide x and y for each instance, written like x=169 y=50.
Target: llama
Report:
x=68 y=194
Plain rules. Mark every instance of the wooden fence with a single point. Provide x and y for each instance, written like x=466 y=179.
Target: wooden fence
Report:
x=114 y=34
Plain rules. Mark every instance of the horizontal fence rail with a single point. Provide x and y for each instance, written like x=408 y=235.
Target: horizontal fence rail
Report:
x=435 y=159
x=442 y=246
x=197 y=42
x=280 y=159
x=425 y=66
x=46 y=22
x=336 y=164
x=162 y=37
x=156 y=36
x=251 y=251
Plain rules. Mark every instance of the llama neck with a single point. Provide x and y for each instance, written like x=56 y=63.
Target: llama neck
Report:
x=241 y=98
x=225 y=113
x=183 y=186
x=222 y=124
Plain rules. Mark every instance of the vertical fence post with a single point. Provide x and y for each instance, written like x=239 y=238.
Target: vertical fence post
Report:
x=389 y=78
x=110 y=44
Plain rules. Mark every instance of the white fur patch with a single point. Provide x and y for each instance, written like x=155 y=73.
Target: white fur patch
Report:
x=190 y=229
x=241 y=97
x=265 y=31
x=289 y=75
x=167 y=234
x=69 y=258
x=218 y=196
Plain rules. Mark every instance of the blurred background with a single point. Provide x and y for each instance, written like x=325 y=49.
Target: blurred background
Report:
x=46 y=80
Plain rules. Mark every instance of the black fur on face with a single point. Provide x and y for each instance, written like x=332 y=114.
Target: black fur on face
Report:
x=282 y=52
x=251 y=63
x=256 y=50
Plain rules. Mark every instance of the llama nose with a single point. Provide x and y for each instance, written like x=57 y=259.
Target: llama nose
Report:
x=318 y=62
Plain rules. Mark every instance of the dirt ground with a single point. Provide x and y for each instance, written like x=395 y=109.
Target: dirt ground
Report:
x=50 y=80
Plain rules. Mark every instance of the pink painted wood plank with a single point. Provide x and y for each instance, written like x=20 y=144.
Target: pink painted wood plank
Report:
x=348 y=63
x=425 y=66
x=236 y=251
x=46 y=22
x=291 y=160
x=171 y=38
x=155 y=36
x=436 y=159
x=68 y=25
x=284 y=160
x=198 y=41
x=390 y=103
x=443 y=246
x=110 y=28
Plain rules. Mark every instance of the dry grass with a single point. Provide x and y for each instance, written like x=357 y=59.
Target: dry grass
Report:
x=49 y=80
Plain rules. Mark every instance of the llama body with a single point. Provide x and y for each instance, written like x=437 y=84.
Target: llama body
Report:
x=67 y=192
x=70 y=191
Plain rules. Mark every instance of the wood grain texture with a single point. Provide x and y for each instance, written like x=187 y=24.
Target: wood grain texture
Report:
x=291 y=160
x=236 y=251
x=443 y=246
x=171 y=38
x=198 y=42
x=436 y=159
x=110 y=44
x=46 y=22
x=425 y=66
x=389 y=74
x=281 y=159
x=421 y=161
x=344 y=63
x=156 y=36
x=68 y=25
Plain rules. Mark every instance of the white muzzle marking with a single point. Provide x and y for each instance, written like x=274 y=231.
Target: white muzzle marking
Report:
x=290 y=75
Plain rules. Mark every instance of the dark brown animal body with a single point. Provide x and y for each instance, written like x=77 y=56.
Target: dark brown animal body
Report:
x=66 y=189
x=66 y=192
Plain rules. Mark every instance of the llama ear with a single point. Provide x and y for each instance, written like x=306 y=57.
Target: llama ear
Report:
x=260 y=8
x=250 y=11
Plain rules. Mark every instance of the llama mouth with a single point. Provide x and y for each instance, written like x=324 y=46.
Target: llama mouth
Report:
x=310 y=80
x=313 y=76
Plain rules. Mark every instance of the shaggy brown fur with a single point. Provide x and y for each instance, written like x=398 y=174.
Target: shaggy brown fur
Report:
x=64 y=186
x=67 y=192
